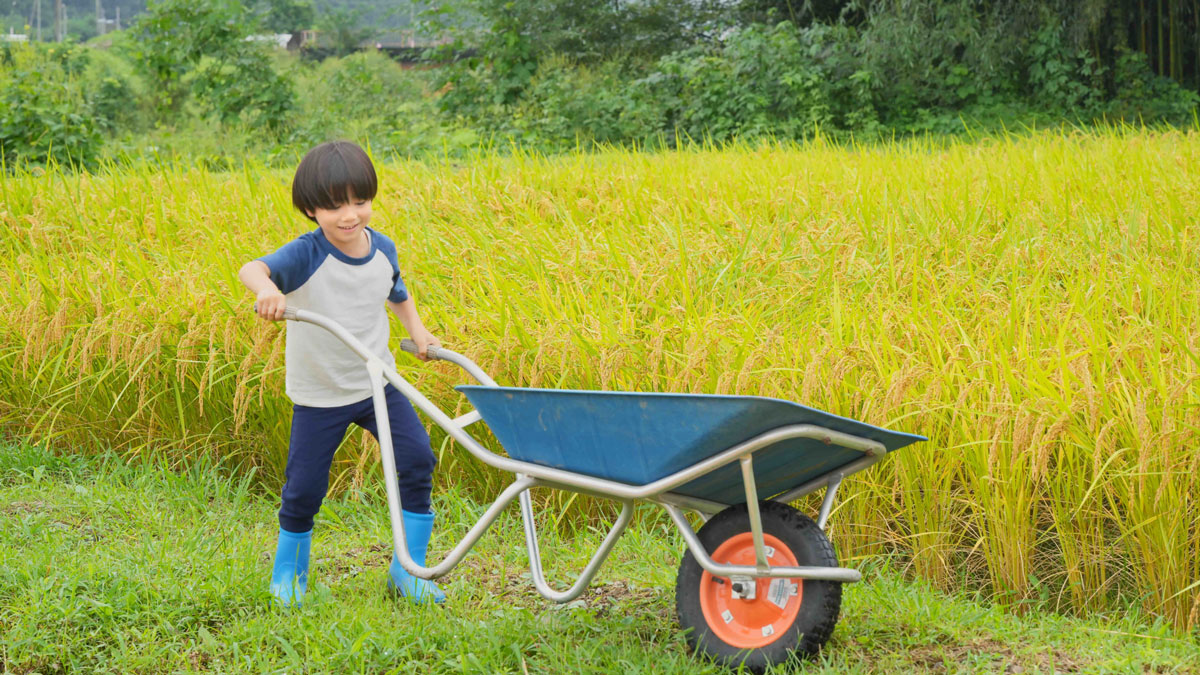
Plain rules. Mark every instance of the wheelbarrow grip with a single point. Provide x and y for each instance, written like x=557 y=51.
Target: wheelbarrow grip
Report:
x=411 y=347
x=289 y=313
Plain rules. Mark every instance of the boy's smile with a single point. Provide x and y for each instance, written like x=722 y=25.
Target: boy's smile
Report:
x=344 y=226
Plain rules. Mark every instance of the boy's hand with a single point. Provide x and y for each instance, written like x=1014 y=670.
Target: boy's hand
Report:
x=270 y=304
x=424 y=340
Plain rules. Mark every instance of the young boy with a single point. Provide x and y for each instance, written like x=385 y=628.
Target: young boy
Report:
x=345 y=271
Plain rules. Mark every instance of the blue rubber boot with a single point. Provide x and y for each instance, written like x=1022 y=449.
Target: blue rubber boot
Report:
x=290 y=577
x=417 y=528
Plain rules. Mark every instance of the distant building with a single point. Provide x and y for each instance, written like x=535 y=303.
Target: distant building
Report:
x=404 y=39
x=404 y=46
x=13 y=37
x=301 y=39
x=288 y=41
x=279 y=40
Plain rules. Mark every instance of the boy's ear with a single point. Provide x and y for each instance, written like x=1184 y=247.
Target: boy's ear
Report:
x=310 y=214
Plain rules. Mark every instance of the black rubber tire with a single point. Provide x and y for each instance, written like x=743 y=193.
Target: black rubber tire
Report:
x=820 y=600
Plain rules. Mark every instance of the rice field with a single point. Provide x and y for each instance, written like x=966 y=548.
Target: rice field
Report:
x=1030 y=303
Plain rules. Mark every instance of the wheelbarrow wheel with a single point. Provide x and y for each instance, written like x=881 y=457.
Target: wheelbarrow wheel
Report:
x=786 y=617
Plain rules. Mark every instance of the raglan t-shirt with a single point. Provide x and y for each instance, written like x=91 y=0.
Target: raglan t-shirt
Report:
x=315 y=275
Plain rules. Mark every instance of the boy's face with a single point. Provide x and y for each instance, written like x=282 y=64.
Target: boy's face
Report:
x=343 y=226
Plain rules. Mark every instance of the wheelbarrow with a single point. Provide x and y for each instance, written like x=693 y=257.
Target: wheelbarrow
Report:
x=758 y=583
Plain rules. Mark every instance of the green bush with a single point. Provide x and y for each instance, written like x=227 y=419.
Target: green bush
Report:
x=565 y=106
x=366 y=86
x=775 y=81
x=243 y=88
x=762 y=81
x=369 y=98
x=199 y=47
x=1143 y=95
x=118 y=94
x=46 y=114
x=927 y=60
x=1062 y=80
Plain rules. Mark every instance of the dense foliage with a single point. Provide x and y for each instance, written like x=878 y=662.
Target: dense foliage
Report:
x=48 y=111
x=188 y=77
x=842 y=67
x=200 y=49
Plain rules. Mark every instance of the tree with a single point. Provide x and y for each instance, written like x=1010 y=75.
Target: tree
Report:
x=200 y=47
x=342 y=30
x=593 y=30
x=798 y=12
x=286 y=16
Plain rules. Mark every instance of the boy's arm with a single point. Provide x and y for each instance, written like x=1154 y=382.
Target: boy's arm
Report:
x=269 y=300
x=407 y=313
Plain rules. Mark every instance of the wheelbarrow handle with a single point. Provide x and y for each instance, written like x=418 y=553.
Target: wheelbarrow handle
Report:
x=411 y=347
x=438 y=353
x=289 y=313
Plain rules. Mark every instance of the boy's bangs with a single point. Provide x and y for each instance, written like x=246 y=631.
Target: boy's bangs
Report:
x=340 y=179
x=333 y=174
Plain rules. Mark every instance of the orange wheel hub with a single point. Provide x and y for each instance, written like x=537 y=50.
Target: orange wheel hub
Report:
x=748 y=624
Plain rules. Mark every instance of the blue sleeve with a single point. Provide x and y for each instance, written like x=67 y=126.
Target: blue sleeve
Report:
x=399 y=292
x=294 y=263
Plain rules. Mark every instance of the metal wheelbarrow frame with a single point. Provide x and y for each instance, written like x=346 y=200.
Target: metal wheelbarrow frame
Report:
x=662 y=491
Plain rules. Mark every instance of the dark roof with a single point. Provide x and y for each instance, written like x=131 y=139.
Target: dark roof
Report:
x=402 y=39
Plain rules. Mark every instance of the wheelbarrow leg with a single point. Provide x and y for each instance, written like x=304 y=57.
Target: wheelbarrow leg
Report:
x=585 y=577
x=827 y=503
x=756 y=529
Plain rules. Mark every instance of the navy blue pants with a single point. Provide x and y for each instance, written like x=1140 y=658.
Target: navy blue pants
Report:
x=316 y=434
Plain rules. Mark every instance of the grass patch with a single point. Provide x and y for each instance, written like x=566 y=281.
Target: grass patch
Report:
x=111 y=566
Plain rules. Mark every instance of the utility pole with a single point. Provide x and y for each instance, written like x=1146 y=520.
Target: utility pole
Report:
x=99 y=19
x=37 y=12
x=58 y=16
x=118 y=24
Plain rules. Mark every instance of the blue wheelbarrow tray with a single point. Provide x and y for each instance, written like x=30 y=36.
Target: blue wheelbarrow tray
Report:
x=637 y=438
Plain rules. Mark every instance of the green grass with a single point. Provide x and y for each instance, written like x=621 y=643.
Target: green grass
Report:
x=111 y=566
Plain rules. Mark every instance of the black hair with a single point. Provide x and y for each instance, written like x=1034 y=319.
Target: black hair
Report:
x=330 y=174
